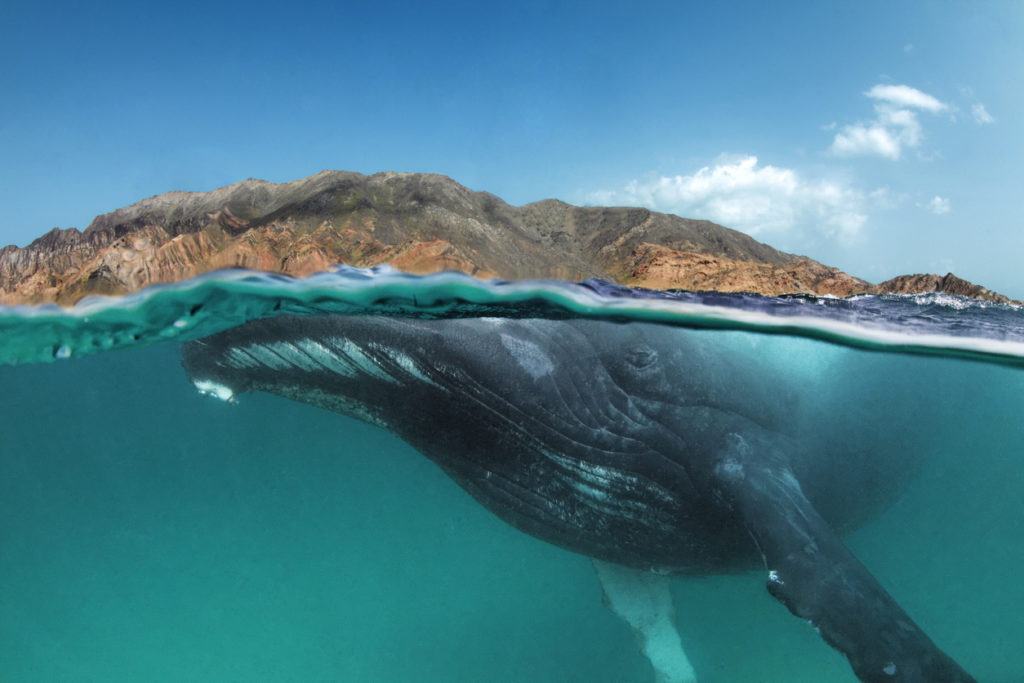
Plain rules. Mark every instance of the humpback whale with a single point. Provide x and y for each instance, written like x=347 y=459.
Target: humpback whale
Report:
x=640 y=445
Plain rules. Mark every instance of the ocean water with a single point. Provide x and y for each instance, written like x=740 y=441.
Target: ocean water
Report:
x=150 y=533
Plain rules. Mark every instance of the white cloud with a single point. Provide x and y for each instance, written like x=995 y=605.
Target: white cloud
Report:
x=895 y=127
x=981 y=115
x=905 y=96
x=939 y=205
x=871 y=140
x=755 y=199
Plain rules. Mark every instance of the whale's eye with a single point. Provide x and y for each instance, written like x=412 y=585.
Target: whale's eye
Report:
x=641 y=356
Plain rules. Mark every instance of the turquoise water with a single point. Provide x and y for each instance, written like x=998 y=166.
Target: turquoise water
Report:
x=149 y=533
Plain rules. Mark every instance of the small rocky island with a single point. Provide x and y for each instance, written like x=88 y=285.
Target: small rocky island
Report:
x=419 y=223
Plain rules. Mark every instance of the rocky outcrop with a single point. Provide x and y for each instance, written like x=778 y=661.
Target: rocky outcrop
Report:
x=419 y=223
x=948 y=284
x=658 y=267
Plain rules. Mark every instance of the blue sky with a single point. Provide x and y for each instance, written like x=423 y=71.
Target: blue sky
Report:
x=879 y=137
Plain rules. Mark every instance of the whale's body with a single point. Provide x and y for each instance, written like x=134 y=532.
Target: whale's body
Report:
x=636 y=444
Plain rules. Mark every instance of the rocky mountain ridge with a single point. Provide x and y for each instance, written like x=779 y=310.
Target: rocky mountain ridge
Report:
x=419 y=223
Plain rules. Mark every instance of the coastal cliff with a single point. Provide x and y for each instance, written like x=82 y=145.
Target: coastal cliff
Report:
x=419 y=223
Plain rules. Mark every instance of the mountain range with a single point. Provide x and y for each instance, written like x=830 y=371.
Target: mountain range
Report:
x=419 y=223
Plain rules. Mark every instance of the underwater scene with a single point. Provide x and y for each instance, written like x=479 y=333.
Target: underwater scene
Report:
x=172 y=508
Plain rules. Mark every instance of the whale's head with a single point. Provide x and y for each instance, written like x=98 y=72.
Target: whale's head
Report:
x=367 y=365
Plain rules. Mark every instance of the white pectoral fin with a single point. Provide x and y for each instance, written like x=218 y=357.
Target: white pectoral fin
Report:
x=643 y=600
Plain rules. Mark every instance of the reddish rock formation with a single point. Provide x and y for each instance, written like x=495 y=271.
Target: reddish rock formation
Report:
x=418 y=223
x=658 y=267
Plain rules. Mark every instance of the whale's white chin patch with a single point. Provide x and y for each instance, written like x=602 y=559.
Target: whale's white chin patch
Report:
x=208 y=388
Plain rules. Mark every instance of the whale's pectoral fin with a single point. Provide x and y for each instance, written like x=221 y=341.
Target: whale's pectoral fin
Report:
x=813 y=574
x=643 y=600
